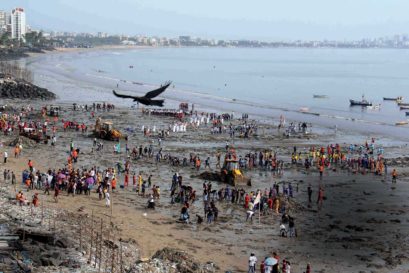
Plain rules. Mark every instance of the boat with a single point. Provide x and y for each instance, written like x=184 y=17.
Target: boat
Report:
x=360 y=103
x=404 y=108
x=320 y=96
x=403 y=103
x=400 y=98
x=374 y=107
x=400 y=123
x=407 y=113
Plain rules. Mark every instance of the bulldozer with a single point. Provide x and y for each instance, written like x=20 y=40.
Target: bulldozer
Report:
x=105 y=130
x=230 y=173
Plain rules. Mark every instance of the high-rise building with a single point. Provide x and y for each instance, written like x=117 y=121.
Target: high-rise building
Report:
x=18 y=24
x=4 y=17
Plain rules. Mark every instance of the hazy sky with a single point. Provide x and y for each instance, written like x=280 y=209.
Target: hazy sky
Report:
x=259 y=19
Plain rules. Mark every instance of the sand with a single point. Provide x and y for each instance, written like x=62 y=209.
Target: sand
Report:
x=362 y=226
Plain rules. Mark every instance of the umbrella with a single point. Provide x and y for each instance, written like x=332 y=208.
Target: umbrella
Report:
x=90 y=180
x=61 y=176
x=270 y=261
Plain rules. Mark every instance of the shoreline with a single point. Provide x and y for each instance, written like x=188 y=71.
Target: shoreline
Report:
x=209 y=102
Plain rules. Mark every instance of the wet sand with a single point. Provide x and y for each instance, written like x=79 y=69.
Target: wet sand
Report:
x=362 y=226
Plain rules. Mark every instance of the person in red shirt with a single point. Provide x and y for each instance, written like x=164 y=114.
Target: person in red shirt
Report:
x=270 y=203
x=126 y=181
x=30 y=165
x=246 y=201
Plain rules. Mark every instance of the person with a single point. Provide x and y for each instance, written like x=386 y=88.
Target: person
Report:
x=394 y=175
x=291 y=227
x=107 y=200
x=320 y=199
x=250 y=214
x=321 y=170
x=36 y=201
x=283 y=230
x=151 y=202
x=252 y=263
x=262 y=266
x=6 y=155
x=28 y=183
x=184 y=214
x=113 y=184
x=275 y=267
x=288 y=267
x=56 y=193
x=309 y=189
x=30 y=165
x=13 y=178
x=20 y=198
x=308 y=270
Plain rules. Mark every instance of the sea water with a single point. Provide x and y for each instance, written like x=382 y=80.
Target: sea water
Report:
x=264 y=82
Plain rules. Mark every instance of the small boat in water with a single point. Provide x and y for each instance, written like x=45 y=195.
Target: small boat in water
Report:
x=320 y=96
x=407 y=113
x=400 y=123
x=374 y=107
x=403 y=104
x=404 y=108
x=363 y=102
x=398 y=99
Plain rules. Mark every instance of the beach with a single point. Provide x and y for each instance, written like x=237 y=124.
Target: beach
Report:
x=361 y=226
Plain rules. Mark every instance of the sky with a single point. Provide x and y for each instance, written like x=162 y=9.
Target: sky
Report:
x=268 y=20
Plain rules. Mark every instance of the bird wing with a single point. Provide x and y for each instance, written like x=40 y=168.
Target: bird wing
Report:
x=157 y=92
x=123 y=96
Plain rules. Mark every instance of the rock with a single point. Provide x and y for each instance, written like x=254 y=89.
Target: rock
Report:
x=19 y=89
x=172 y=261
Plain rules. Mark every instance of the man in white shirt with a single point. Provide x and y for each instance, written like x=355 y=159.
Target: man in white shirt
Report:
x=6 y=155
x=252 y=263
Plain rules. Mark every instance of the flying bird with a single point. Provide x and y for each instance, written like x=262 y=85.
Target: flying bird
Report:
x=148 y=98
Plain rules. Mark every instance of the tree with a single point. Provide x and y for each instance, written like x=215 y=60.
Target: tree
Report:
x=4 y=39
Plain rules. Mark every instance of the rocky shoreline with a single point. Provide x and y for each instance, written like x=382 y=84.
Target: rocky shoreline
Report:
x=12 y=88
x=38 y=239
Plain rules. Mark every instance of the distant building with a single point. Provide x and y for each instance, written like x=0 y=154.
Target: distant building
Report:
x=4 y=21
x=18 y=24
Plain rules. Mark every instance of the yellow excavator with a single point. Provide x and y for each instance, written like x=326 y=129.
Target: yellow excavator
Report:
x=230 y=173
x=105 y=130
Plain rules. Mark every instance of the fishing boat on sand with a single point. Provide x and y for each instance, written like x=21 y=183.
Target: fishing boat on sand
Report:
x=320 y=96
x=362 y=102
x=400 y=123
x=398 y=99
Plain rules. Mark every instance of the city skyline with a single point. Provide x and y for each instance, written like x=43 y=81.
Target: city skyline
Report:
x=265 y=20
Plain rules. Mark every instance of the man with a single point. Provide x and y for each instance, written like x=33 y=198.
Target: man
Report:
x=6 y=155
x=309 y=194
x=394 y=175
x=13 y=178
x=320 y=199
x=252 y=263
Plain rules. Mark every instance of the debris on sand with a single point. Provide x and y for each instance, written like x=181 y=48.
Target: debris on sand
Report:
x=170 y=260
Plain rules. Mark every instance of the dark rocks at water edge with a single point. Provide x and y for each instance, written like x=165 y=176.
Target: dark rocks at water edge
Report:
x=11 y=88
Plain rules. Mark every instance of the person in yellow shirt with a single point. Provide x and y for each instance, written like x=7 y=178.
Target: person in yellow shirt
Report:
x=140 y=181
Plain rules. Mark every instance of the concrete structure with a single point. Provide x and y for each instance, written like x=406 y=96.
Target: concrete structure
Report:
x=18 y=24
x=4 y=21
